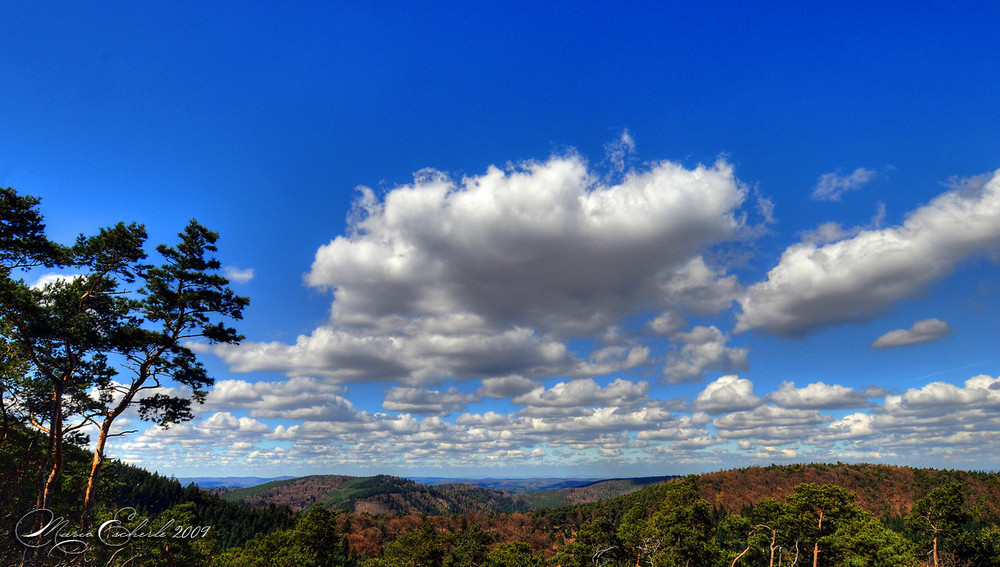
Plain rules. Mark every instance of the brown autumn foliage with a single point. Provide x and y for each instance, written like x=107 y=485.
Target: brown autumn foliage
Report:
x=884 y=490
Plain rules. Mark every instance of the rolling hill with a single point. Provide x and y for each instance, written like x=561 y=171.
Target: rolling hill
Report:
x=376 y=495
x=384 y=494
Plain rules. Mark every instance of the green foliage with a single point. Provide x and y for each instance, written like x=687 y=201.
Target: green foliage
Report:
x=313 y=542
x=984 y=547
x=387 y=494
x=680 y=531
x=513 y=554
x=940 y=519
x=596 y=545
x=470 y=547
x=421 y=548
x=865 y=542
x=22 y=234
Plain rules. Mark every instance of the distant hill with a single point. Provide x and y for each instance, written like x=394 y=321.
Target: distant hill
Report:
x=590 y=492
x=509 y=485
x=210 y=482
x=376 y=495
x=393 y=495
x=882 y=489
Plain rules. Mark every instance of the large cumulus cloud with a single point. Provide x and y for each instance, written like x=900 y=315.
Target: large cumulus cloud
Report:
x=493 y=275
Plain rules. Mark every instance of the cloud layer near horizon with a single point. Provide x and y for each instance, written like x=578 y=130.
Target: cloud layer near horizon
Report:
x=578 y=421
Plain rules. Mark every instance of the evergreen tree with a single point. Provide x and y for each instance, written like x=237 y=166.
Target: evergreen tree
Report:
x=816 y=512
x=66 y=329
x=939 y=516
x=513 y=554
x=180 y=300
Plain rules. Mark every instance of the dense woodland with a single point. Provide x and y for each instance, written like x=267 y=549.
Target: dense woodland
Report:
x=63 y=503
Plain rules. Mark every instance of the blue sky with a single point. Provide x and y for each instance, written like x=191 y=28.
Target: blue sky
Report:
x=545 y=240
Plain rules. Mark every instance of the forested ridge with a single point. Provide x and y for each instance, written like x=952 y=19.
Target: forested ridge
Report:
x=383 y=494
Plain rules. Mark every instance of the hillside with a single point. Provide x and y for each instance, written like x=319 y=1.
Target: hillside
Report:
x=881 y=489
x=592 y=492
x=509 y=485
x=884 y=490
x=220 y=482
x=376 y=495
x=392 y=495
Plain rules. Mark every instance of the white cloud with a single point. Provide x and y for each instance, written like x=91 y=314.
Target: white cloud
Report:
x=191 y=444
x=50 y=279
x=937 y=421
x=704 y=350
x=613 y=359
x=923 y=331
x=582 y=393
x=832 y=186
x=858 y=278
x=728 y=393
x=667 y=323
x=506 y=387
x=822 y=396
x=492 y=275
x=619 y=150
x=853 y=426
x=770 y=424
x=544 y=246
x=422 y=401
x=239 y=276
x=350 y=357
x=942 y=398
x=573 y=421
x=297 y=398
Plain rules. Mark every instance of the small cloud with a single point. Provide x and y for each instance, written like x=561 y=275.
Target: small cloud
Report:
x=704 y=350
x=728 y=393
x=506 y=387
x=832 y=186
x=819 y=395
x=667 y=323
x=422 y=401
x=923 y=331
x=47 y=279
x=968 y=184
x=239 y=276
x=619 y=150
x=825 y=233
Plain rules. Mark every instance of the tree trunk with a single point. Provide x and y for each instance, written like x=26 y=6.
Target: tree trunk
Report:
x=88 y=498
x=935 y=548
x=3 y=410
x=740 y=556
x=55 y=449
x=819 y=532
x=774 y=539
x=102 y=441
